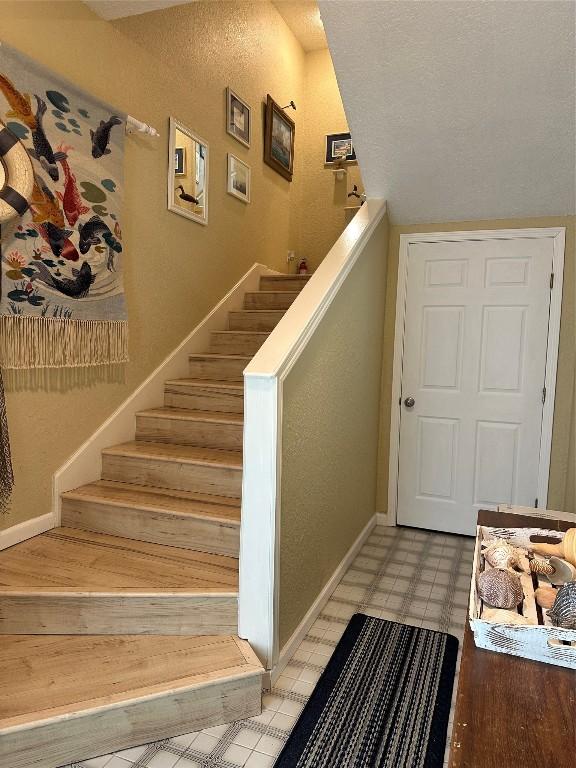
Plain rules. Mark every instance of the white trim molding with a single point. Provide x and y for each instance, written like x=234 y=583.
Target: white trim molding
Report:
x=316 y=608
x=26 y=530
x=557 y=234
x=258 y=618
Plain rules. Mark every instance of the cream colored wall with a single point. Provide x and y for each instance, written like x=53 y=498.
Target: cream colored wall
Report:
x=175 y=62
x=318 y=219
x=330 y=436
x=562 y=493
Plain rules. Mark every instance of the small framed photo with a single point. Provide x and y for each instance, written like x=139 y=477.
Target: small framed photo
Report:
x=238 y=118
x=279 y=132
x=180 y=161
x=339 y=148
x=238 y=178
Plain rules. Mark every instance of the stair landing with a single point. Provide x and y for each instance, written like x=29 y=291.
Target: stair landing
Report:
x=58 y=691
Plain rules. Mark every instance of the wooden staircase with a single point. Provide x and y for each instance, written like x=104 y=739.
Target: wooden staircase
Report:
x=123 y=621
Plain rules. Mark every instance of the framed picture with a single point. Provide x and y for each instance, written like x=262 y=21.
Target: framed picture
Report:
x=238 y=117
x=279 y=132
x=180 y=161
x=339 y=148
x=238 y=178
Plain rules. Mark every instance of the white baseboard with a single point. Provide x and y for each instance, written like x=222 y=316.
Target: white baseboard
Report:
x=85 y=464
x=316 y=608
x=382 y=519
x=26 y=530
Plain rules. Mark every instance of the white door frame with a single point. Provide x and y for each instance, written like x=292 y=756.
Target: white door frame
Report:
x=557 y=234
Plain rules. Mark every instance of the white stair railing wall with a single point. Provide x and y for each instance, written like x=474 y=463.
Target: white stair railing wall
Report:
x=365 y=238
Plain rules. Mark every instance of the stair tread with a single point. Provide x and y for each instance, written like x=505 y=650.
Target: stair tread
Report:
x=228 y=332
x=164 y=500
x=218 y=355
x=259 y=311
x=76 y=561
x=49 y=677
x=268 y=293
x=206 y=383
x=286 y=277
x=185 y=414
x=186 y=454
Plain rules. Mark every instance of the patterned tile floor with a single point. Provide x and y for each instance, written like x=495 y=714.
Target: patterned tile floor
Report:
x=402 y=574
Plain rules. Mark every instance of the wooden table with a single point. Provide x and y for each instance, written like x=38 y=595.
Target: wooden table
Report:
x=510 y=711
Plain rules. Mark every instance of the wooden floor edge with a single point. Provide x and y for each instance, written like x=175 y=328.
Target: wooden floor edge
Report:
x=125 y=452
x=190 y=381
x=93 y=706
x=220 y=355
x=120 y=592
x=188 y=414
x=93 y=499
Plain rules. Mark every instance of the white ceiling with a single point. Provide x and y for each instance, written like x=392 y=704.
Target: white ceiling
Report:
x=460 y=110
x=118 y=9
x=301 y=16
x=303 y=19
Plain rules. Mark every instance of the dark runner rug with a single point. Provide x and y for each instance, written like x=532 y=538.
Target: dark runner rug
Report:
x=383 y=701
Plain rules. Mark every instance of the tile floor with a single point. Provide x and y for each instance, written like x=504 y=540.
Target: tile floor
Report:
x=402 y=574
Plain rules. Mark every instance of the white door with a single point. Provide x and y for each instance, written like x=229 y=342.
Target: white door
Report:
x=474 y=359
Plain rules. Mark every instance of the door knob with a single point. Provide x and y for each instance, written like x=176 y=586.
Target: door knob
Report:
x=409 y=402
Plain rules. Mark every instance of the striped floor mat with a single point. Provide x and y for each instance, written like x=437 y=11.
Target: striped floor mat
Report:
x=383 y=701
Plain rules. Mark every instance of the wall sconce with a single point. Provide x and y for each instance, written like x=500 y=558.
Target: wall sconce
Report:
x=292 y=105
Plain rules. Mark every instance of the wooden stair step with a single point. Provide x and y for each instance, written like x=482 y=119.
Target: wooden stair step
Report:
x=58 y=692
x=269 y=299
x=205 y=395
x=185 y=427
x=71 y=581
x=212 y=366
x=283 y=282
x=158 y=515
x=182 y=467
x=237 y=342
x=255 y=319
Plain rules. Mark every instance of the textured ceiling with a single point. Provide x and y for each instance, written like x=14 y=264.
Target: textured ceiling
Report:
x=303 y=19
x=118 y=9
x=460 y=110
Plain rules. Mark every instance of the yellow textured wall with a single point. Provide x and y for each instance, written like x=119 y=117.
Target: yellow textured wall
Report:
x=562 y=492
x=174 y=62
x=318 y=219
x=330 y=436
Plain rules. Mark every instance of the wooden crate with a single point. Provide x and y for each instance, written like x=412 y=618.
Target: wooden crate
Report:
x=537 y=639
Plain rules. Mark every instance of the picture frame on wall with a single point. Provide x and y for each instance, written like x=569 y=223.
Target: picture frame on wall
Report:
x=339 y=148
x=180 y=161
x=238 y=117
x=279 y=132
x=239 y=178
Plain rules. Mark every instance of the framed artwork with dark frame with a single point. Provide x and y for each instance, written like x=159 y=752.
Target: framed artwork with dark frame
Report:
x=238 y=117
x=339 y=148
x=279 y=132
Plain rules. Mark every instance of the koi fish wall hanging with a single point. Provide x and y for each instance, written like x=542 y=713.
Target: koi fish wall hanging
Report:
x=62 y=299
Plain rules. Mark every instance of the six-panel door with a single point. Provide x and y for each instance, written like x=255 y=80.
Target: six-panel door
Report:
x=474 y=361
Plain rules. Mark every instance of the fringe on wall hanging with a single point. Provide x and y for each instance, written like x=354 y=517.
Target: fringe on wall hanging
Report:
x=62 y=298
x=28 y=342
x=6 y=473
